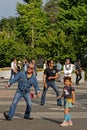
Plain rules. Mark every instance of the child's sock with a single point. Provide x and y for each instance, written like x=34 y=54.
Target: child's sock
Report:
x=67 y=117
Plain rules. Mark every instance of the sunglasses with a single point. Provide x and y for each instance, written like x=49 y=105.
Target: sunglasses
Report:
x=31 y=68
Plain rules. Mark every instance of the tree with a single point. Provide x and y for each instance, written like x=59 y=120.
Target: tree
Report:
x=10 y=47
x=31 y=22
x=51 y=40
x=72 y=20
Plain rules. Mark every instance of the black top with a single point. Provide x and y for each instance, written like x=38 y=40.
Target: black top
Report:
x=50 y=73
x=78 y=66
x=68 y=91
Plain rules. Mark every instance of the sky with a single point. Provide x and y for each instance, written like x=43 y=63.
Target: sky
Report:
x=8 y=8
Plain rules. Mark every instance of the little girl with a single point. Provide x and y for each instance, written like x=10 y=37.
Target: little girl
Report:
x=69 y=101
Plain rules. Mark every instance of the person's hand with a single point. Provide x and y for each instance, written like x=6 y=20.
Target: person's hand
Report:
x=58 y=97
x=45 y=85
x=73 y=102
x=7 y=86
x=49 y=78
x=38 y=95
x=15 y=70
x=77 y=72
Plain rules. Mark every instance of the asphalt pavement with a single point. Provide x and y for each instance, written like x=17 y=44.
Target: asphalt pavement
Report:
x=47 y=117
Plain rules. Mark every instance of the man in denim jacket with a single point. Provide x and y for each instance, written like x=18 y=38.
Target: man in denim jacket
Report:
x=25 y=81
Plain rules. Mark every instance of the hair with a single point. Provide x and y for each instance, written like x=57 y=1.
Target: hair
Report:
x=48 y=63
x=68 y=78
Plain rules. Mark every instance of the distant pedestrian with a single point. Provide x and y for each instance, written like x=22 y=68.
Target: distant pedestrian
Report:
x=13 y=68
x=59 y=68
x=45 y=65
x=25 y=81
x=68 y=68
x=19 y=66
x=50 y=74
x=25 y=64
x=35 y=67
x=69 y=101
x=78 y=69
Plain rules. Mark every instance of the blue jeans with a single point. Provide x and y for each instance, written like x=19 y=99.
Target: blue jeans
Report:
x=16 y=99
x=53 y=85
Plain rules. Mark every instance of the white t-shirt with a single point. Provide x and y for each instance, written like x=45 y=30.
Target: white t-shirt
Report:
x=13 y=65
x=68 y=68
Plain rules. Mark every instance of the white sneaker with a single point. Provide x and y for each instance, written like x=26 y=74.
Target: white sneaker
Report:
x=70 y=123
x=64 y=124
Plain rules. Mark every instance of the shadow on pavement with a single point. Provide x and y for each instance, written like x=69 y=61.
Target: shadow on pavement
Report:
x=51 y=120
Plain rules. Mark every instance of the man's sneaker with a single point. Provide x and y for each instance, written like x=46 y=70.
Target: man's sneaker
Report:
x=41 y=104
x=6 y=116
x=64 y=124
x=70 y=123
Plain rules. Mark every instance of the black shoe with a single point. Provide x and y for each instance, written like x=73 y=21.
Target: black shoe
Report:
x=6 y=116
x=29 y=118
x=59 y=81
x=41 y=104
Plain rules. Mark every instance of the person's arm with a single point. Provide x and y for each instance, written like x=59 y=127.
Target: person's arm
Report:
x=36 y=87
x=71 y=68
x=44 y=80
x=53 y=77
x=73 y=97
x=11 y=81
x=60 y=96
x=12 y=66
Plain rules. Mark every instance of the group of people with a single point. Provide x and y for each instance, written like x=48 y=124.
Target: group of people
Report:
x=68 y=69
x=17 y=66
x=28 y=78
x=50 y=74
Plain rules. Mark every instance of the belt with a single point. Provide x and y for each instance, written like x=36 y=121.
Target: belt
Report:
x=23 y=90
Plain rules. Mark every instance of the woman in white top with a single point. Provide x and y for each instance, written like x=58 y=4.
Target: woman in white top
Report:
x=45 y=65
x=68 y=68
x=13 y=68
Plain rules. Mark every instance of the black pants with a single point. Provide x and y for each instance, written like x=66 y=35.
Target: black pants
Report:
x=78 y=77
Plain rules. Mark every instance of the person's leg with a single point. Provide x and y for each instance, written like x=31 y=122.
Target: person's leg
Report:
x=55 y=88
x=67 y=117
x=80 y=76
x=12 y=109
x=28 y=106
x=59 y=79
x=77 y=81
x=11 y=74
x=43 y=97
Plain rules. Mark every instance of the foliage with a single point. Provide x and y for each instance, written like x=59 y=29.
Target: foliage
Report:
x=56 y=30
x=72 y=19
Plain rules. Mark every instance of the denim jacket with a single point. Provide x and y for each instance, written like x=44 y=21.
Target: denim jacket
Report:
x=25 y=83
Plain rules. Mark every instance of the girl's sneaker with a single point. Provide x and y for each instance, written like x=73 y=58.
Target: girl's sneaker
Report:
x=70 y=123
x=64 y=124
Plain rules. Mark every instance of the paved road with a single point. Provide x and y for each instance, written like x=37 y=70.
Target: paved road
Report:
x=47 y=117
